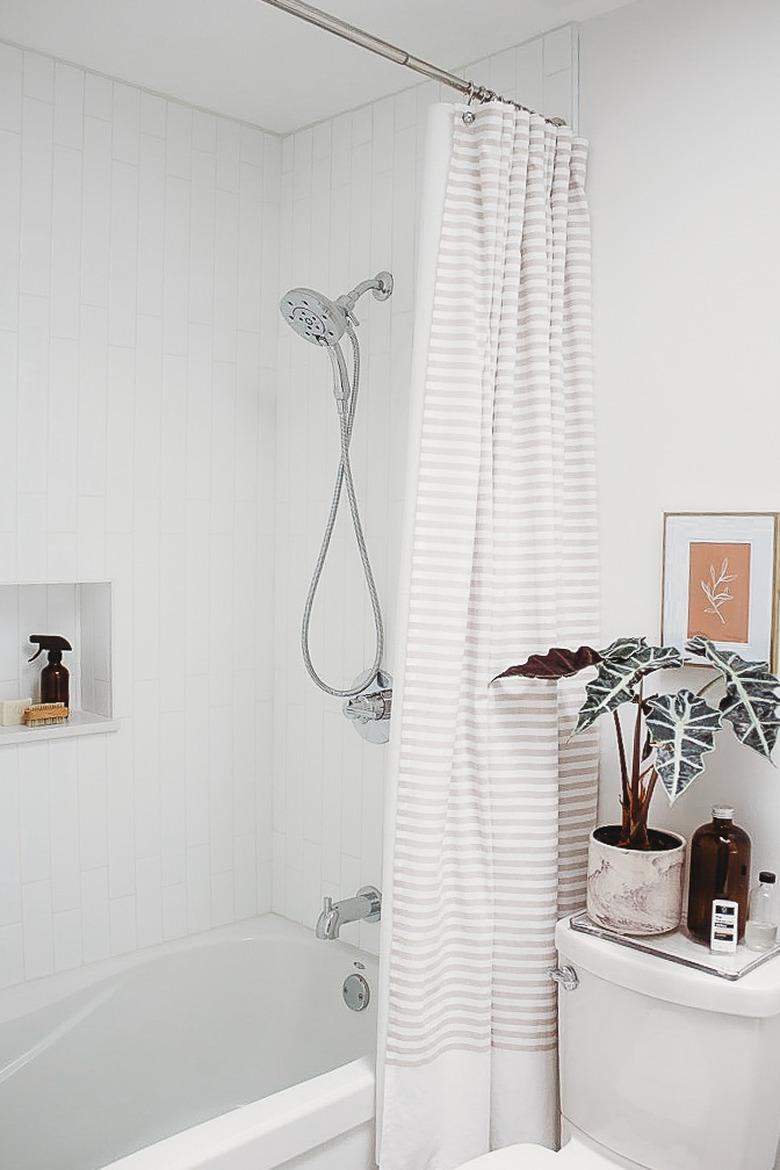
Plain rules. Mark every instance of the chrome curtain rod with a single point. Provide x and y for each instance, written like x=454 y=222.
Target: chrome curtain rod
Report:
x=357 y=36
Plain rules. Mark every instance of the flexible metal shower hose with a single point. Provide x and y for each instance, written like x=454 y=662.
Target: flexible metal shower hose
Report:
x=346 y=407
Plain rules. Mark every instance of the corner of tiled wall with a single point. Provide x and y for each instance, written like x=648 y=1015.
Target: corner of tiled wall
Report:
x=350 y=190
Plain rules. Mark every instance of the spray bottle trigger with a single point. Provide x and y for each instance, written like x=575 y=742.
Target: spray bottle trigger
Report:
x=35 y=655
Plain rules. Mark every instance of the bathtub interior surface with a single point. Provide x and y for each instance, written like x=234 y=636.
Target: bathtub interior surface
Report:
x=172 y=1043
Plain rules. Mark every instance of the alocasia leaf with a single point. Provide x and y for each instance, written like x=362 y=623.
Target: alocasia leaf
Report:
x=622 y=665
x=644 y=658
x=682 y=730
x=556 y=663
x=752 y=696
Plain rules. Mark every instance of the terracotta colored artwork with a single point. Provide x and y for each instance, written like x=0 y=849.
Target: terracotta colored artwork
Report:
x=719 y=591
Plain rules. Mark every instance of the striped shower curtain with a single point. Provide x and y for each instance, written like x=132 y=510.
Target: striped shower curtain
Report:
x=490 y=806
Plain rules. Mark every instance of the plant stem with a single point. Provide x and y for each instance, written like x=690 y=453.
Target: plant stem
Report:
x=625 y=799
x=634 y=833
x=636 y=762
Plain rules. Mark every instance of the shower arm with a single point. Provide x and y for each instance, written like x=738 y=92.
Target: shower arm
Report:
x=381 y=285
x=366 y=40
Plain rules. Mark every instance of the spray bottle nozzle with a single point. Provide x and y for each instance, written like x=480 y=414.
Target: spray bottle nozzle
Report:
x=50 y=642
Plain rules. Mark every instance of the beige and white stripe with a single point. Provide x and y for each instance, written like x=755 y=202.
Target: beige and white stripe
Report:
x=493 y=805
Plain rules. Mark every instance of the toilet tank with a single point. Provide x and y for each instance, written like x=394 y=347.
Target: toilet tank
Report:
x=672 y=1068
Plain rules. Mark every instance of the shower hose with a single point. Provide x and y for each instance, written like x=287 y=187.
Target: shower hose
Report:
x=346 y=402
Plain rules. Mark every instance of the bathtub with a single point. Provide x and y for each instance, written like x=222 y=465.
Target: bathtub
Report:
x=234 y=1050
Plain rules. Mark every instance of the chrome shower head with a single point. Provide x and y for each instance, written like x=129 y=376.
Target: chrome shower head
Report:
x=313 y=316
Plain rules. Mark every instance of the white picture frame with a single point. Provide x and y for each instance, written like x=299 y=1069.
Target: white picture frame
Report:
x=690 y=592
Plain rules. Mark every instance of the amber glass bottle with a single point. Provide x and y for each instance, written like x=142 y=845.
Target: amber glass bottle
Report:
x=720 y=868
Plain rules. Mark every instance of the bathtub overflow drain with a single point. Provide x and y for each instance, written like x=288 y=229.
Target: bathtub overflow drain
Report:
x=356 y=993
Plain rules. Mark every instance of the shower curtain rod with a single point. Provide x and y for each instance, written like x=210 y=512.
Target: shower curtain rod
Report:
x=357 y=36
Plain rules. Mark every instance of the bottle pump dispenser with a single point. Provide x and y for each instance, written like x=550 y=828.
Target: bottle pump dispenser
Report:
x=55 y=678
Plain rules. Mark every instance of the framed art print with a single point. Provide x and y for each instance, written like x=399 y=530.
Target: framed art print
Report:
x=720 y=580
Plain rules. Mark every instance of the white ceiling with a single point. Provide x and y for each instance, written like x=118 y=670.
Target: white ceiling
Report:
x=248 y=60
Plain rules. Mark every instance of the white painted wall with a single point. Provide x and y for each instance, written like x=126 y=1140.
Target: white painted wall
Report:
x=680 y=99
x=138 y=280
x=350 y=189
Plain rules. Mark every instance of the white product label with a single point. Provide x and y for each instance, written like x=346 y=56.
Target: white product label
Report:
x=725 y=927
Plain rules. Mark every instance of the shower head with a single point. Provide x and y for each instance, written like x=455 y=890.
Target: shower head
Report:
x=318 y=319
x=313 y=316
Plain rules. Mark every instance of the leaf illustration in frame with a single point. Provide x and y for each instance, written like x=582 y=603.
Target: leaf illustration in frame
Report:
x=752 y=696
x=682 y=730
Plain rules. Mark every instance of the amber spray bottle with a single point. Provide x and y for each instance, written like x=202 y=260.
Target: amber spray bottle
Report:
x=55 y=677
x=720 y=868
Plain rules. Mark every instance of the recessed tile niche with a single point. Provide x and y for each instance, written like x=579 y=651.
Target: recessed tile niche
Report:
x=78 y=611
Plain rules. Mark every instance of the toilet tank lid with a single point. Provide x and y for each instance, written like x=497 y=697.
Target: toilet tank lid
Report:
x=756 y=994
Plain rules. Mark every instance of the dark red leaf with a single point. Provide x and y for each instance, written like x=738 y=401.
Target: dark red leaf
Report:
x=556 y=663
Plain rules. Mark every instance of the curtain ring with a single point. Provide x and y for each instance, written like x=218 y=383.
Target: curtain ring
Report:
x=468 y=116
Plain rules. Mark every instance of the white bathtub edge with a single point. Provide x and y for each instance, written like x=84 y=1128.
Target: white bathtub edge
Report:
x=266 y=1133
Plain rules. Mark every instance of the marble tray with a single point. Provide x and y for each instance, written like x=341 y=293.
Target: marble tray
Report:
x=679 y=947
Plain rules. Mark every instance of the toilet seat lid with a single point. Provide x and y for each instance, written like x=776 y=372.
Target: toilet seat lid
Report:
x=574 y=1156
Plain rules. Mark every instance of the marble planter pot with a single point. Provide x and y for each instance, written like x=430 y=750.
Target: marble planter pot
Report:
x=635 y=892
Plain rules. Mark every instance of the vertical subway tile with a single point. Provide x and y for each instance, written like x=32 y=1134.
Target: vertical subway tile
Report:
x=96 y=212
x=95 y=919
x=9 y=347
x=148 y=898
x=119 y=439
x=93 y=852
x=38 y=929
x=92 y=404
x=204 y=131
x=66 y=242
x=174 y=912
x=120 y=823
x=123 y=933
x=98 y=96
x=226 y=276
x=123 y=249
x=33 y=392
x=11 y=955
x=62 y=434
x=228 y=153
x=35 y=238
x=178 y=140
x=152 y=117
x=10 y=194
x=64 y=826
x=34 y=813
x=176 y=263
x=201 y=240
x=68 y=106
x=66 y=931
x=126 y=123
x=11 y=70
x=198 y=889
x=38 y=76
x=10 y=862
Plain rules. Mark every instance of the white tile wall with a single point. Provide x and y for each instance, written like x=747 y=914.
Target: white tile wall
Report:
x=349 y=208
x=145 y=439
x=139 y=253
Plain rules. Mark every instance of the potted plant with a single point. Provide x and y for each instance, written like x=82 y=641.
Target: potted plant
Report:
x=635 y=872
